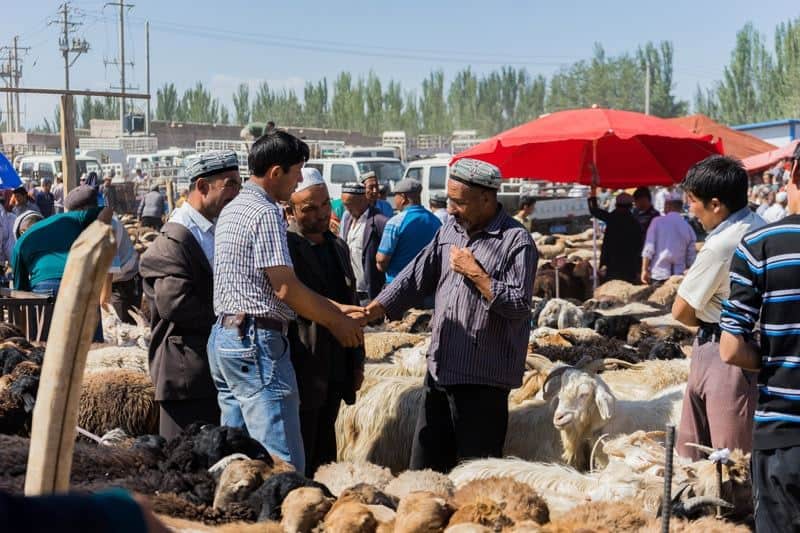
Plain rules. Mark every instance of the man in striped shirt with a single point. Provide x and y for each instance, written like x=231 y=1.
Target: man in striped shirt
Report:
x=256 y=295
x=480 y=268
x=765 y=289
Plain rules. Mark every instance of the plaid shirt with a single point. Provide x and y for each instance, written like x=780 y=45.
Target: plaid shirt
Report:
x=250 y=237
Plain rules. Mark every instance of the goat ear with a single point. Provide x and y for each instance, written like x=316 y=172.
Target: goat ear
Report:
x=551 y=386
x=605 y=400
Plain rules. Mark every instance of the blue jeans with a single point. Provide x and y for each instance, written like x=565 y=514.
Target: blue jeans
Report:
x=257 y=388
x=50 y=287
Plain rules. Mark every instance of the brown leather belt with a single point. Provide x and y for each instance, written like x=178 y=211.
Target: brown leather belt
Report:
x=239 y=320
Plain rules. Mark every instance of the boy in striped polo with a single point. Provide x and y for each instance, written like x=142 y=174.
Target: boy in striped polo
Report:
x=765 y=289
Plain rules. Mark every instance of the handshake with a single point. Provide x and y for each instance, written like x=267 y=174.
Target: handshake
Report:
x=347 y=325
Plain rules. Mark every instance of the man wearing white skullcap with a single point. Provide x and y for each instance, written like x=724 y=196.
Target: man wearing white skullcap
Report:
x=777 y=210
x=326 y=372
x=177 y=279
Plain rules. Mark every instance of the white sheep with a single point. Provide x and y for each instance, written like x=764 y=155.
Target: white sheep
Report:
x=558 y=313
x=420 y=480
x=345 y=474
x=117 y=357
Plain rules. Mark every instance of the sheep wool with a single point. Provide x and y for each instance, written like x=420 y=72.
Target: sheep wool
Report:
x=303 y=509
x=420 y=480
x=118 y=399
x=422 y=512
x=345 y=474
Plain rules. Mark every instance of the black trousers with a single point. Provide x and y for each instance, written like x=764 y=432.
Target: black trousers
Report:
x=175 y=415
x=458 y=422
x=152 y=222
x=317 y=426
x=125 y=295
x=776 y=489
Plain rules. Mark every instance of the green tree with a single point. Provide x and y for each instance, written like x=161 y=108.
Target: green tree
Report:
x=347 y=104
x=659 y=60
x=315 y=98
x=393 y=106
x=410 y=120
x=373 y=95
x=433 y=109
x=167 y=102
x=263 y=103
x=462 y=100
x=241 y=104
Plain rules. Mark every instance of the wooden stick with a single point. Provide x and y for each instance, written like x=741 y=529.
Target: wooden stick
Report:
x=74 y=322
x=666 y=506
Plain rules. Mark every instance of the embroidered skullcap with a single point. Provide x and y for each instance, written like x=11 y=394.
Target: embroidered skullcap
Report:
x=212 y=162
x=475 y=172
x=353 y=188
x=367 y=175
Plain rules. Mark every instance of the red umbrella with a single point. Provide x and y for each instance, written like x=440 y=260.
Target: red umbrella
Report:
x=629 y=149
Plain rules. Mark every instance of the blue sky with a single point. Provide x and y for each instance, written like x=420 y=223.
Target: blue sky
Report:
x=290 y=42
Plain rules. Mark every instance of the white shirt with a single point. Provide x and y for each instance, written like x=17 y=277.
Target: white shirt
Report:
x=669 y=245
x=199 y=226
x=774 y=213
x=706 y=283
x=355 y=241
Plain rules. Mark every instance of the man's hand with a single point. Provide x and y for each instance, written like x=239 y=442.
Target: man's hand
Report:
x=347 y=331
x=374 y=311
x=645 y=277
x=463 y=262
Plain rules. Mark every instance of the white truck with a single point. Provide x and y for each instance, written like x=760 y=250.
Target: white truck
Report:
x=336 y=172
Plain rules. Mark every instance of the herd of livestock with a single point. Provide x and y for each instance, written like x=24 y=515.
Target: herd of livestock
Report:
x=585 y=447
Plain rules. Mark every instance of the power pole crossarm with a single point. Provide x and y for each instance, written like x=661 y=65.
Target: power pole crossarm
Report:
x=75 y=46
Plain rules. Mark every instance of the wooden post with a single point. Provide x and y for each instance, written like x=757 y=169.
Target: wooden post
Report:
x=74 y=322
x=170 y=191
x=68 y=167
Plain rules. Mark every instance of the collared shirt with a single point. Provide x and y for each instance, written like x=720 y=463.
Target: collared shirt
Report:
x=474 y=340
x=355 y=242
x=441 y=214
x=706 y=285
x=250 y=238
x=405 y=235
x=58 y=195
x=199 y=226
x=670 y=245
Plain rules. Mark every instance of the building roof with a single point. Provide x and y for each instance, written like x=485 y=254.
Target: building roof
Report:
x=768 y=124
x=735 y=143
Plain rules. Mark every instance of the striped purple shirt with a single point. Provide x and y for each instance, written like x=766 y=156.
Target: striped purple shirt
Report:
x=474 y=341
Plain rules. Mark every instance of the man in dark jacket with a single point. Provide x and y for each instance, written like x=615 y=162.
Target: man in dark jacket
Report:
x=362 y=231
x=177 y=277
x=622 y=244
x=327 y=373
x=152 y=208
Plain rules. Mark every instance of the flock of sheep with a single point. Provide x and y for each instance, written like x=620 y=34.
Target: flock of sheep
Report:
x=605 y=373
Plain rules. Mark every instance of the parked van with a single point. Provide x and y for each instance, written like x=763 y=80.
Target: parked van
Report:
x=47 y=166
x=335 y=172
x=371 y=151
x=431 y=173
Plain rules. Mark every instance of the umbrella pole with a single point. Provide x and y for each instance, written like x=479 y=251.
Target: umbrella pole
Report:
x=594 y=252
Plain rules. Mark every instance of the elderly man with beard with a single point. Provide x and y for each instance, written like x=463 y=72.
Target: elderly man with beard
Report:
x=177 y=277
x=327 y=372
x=479 y=267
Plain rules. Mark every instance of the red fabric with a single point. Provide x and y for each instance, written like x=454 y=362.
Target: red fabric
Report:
x=769 y=159
x=737 y=143
x=632 y=149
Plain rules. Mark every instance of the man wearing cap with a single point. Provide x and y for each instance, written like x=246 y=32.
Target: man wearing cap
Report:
x=178 y=284
x=438 y=203
x=643 y=210
x=408 y=232
x=480 y=268
x=373 y=191
x=777 y=210
x=40 y=254
x=362 y=230
x=152 y=208
x=327 y=372
x=23 y=202
x=622 y=242
x=256 y=296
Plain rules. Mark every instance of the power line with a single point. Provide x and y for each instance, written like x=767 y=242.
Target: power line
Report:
x=68 y=47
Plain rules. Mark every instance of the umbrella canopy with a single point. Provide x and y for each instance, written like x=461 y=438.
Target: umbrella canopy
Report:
x=9 y=179
x=737 y=143
x=629 y=149
x=769 y=159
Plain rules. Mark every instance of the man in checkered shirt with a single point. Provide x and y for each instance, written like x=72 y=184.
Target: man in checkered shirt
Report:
x=256 y=295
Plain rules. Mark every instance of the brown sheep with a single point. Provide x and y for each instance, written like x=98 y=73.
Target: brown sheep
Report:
x=520 y=501
x=622 y=290
x=239 y=479
x=467 y=527
x=380 y=345
x=345 y=474
x=118 y=399
x=303 y=509
x=485 y=512
x=665 y=294
x=600 y=517
x=351 y=517
x=414 y=321
x=366 y=494
x=422 y=512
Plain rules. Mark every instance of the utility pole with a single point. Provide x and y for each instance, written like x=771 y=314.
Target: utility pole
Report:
x=121 y=62
x=147 y=59
x=17 y=76
x=647 y=86
x=76 y=46
x=6 y=72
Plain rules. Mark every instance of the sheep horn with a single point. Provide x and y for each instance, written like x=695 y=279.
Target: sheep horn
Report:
x=89 y=435
x=594 y=449
x=699 y=501
x=612 y=361
x=706 y=449
x=539 y=362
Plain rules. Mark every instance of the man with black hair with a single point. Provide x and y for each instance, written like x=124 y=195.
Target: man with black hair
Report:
x=362 y=230
x=177 y=279
x=257 y=294
x=643 y=210
x=719 y=400
x=764 y=289
x=526 y=204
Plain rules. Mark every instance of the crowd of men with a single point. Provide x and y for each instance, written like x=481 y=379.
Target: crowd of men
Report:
x=259 y=290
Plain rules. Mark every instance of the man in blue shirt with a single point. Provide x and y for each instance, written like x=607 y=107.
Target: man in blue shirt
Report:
x=407 y=232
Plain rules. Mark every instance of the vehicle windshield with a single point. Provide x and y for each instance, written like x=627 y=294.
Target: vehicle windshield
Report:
x=384 y=170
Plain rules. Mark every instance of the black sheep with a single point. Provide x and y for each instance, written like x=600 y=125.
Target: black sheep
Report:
x=200 y=446
x=8 y=331
x=10 y=357
x=615 y=326
x=660 y=349
x=16 y=405
x=268 y=498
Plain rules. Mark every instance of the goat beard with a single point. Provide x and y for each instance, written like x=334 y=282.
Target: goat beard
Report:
x=577 y=448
